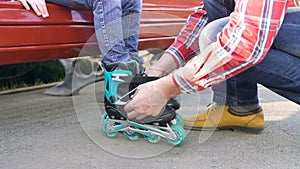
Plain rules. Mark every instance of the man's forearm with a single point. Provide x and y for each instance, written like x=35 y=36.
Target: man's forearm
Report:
x=165 y=65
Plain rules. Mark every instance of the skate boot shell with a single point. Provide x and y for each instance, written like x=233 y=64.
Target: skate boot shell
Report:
x=120 y=82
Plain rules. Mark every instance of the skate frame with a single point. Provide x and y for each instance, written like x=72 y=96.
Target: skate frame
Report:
x=144 y=129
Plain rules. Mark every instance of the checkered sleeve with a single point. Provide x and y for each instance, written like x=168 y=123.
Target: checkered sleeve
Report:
x=242 y=43
x=186 y=44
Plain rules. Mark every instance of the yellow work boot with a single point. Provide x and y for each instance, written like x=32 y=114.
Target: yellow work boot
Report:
x=222 y=117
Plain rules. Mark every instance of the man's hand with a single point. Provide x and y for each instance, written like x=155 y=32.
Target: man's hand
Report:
x=38 y=6
x=150 y=98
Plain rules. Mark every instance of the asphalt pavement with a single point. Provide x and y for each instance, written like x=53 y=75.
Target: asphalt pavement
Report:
x=48 y=132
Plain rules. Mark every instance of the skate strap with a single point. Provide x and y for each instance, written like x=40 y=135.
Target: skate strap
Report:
x=124 y=99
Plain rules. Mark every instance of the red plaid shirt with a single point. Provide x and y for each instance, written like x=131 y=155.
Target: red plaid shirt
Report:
x=243 y=43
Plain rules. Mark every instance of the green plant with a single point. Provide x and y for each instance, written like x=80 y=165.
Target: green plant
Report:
x=30 y=74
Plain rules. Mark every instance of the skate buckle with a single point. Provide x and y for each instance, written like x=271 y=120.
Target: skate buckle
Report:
x=116 y=76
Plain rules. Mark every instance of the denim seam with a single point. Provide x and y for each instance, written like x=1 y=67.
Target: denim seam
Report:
x=106 y=39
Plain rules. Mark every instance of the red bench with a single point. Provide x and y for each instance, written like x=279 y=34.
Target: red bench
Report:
x=25 y=37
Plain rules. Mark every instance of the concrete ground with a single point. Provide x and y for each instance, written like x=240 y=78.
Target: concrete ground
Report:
x=38 y=131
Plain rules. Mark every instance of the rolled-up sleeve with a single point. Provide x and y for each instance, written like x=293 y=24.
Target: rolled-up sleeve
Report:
x=186 y=45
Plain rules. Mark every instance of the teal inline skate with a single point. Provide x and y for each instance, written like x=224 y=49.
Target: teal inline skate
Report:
x=120 y=82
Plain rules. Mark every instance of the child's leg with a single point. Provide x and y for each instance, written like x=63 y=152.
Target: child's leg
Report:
x=131 y=15
x=108 y=27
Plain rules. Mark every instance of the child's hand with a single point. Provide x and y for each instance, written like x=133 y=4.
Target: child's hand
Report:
x=38 y=6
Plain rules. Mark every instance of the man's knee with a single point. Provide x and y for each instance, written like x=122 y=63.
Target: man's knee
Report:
x=210 y=31
x=218 y=8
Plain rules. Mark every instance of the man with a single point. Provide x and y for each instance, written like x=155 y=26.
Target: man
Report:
x=257 y=44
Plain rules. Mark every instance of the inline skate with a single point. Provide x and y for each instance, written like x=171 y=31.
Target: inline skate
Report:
x=120 y=82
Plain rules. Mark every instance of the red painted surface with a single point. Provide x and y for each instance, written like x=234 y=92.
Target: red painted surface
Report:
x=25 y=37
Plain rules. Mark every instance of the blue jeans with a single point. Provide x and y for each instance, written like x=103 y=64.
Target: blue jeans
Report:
x=279 y=71
x=217 y=9
x=117 y=25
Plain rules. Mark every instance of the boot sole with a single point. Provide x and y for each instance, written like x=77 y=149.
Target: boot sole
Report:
x=233 y=128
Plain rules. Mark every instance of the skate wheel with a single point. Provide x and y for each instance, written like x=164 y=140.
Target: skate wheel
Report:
x=132 y=136
x=179 y=120
x=180 y=134
x=107 y=129
x=104 y=117
x=153 y=139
